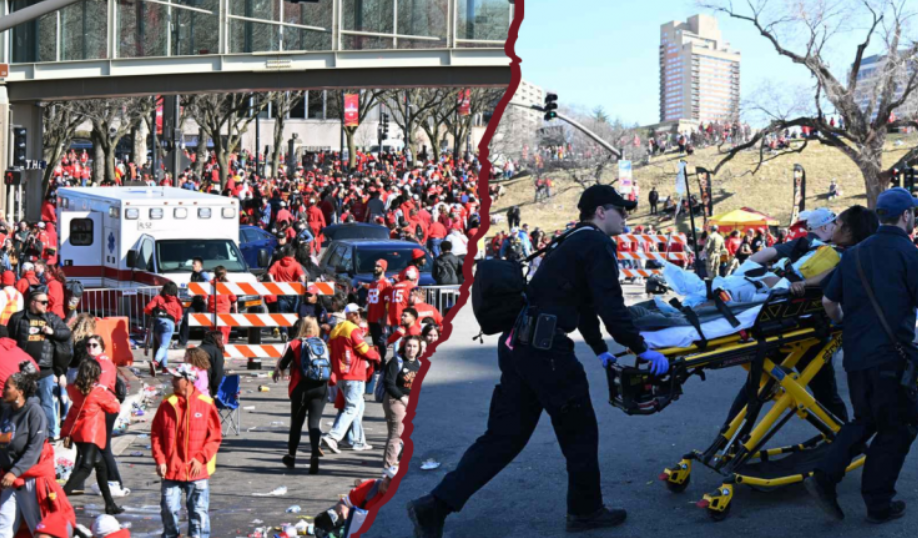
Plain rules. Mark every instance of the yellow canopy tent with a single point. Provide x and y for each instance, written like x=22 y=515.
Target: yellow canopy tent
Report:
x=741 y=219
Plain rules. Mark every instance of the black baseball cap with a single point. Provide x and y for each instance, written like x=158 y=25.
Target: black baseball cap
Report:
x=600 y=195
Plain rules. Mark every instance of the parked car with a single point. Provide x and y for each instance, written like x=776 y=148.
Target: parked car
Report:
x=353 y=230
x=350 y=262
x=252 y=241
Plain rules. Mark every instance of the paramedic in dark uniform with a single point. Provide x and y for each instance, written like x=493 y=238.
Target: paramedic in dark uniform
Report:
x=883 y=408
x=575 y=282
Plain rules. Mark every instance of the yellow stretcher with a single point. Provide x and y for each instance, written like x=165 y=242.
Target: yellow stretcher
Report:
x=790 y=342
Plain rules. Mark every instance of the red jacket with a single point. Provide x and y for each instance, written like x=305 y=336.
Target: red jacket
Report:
x=350 y=355
x=12 y=356
x=28 y=279
x=170 y=304
x=184 y=430
x=287 y=269
x=428 y=311
x=87 y=424
x=414 y=330
x=399 y=299
x=56 y=298
x=315 y=218
x=109 y=372
x=376 y=300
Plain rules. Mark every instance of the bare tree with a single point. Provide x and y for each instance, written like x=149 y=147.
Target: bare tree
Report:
x=112 y=120
x=60 y=127
x=411 y=108
x=368 y=99
x=282 y=103
x=460 y=127
x=803 y=33
x=223 y=118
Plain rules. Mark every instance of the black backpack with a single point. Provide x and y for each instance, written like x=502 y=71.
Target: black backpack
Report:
x=499 y=289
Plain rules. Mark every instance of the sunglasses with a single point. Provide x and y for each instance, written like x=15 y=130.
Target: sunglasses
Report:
x=45 y=302
x=620 y=210
x=92 y=345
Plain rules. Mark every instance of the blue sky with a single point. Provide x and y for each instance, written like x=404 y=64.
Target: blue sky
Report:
x=605 y=52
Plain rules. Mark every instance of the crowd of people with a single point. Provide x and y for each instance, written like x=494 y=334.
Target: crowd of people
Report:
x=71 y=394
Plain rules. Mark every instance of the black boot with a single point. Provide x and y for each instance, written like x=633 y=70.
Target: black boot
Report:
x=601 y=519
x=821 y=489
x=289 y=461
x=113 y=509
x=428 y=515
x=896 y=510
x=314 y=464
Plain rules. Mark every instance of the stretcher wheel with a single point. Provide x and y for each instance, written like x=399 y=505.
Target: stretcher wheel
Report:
x=720 y=515
x=679 y=488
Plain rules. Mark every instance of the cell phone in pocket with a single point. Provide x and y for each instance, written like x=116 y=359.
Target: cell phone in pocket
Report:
x=544 y=333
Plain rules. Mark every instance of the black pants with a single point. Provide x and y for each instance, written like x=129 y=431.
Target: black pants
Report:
x=378 y=336
x=513 y=222
x=882 y=410
x=533 y=381
x=89 y=458
x=308 y=398
x=653 y=208
x=195 y=307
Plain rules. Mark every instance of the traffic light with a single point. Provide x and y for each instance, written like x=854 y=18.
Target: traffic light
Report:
x=20 y=144
x=13 y=178
x=551 y=105
x=384 y=126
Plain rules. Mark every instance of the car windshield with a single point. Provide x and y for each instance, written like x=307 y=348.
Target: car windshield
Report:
x=398 y=259
x=176 y=255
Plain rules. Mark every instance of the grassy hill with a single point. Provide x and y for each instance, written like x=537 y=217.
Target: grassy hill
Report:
x=769 y=191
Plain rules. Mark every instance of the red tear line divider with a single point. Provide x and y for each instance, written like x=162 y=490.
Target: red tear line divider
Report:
x=484 y=213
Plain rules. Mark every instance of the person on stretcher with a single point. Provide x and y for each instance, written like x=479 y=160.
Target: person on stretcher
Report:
x=795 y=265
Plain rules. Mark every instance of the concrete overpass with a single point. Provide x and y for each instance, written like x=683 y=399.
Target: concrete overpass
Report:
x=114 y=48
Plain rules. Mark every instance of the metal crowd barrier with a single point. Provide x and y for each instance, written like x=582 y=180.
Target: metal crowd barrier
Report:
x=119 y=302
x=441 y=297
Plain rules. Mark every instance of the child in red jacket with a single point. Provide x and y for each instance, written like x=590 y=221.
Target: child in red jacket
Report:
x=85 y=426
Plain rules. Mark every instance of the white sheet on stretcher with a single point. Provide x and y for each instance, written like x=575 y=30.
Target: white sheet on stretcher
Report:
x=686 y=336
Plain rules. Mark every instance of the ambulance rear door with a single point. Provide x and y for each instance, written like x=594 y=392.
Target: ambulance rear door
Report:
x=81 y=246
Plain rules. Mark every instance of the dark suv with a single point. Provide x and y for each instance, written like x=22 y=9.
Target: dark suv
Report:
x=350 y=262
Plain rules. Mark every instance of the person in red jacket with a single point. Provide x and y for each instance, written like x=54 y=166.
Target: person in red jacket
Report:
x=287 y=269
x=423 y=309
x=408 y=326
x=316 y=221
x=222 y=304
x=354 y=507
x=399 y=296
x=85 y=426
x=185 y=438
x=377 y=292
x=166 y=309
x=56 y=280
x=353 y=361
x=28 y=279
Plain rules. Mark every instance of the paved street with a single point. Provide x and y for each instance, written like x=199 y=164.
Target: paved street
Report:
x=246 y=464
x=528 y=498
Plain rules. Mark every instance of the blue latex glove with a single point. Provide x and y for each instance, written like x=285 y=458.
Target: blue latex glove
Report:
x=607 y=359
x=659 y=364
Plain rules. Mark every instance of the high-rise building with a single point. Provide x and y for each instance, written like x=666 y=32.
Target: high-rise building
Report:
x=871 y=83
x=699 y=74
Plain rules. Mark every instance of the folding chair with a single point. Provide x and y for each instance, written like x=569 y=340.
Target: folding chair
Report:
x=227 y=401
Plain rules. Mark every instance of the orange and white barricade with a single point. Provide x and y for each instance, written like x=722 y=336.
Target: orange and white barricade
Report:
x=251 y=351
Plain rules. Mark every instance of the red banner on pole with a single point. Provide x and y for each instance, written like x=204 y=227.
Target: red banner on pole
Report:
x=465 y=102
x=351 y=110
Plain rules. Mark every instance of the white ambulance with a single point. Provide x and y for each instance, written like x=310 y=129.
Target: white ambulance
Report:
x=128 y=237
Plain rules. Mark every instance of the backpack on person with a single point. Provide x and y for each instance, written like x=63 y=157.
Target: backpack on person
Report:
x=379 y=391
x=314 y=362
x=499 y=289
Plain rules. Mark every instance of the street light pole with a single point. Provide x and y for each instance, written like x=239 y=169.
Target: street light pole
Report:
x=596 y=138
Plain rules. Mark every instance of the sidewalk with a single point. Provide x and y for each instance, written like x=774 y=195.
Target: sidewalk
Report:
x=247 y=463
